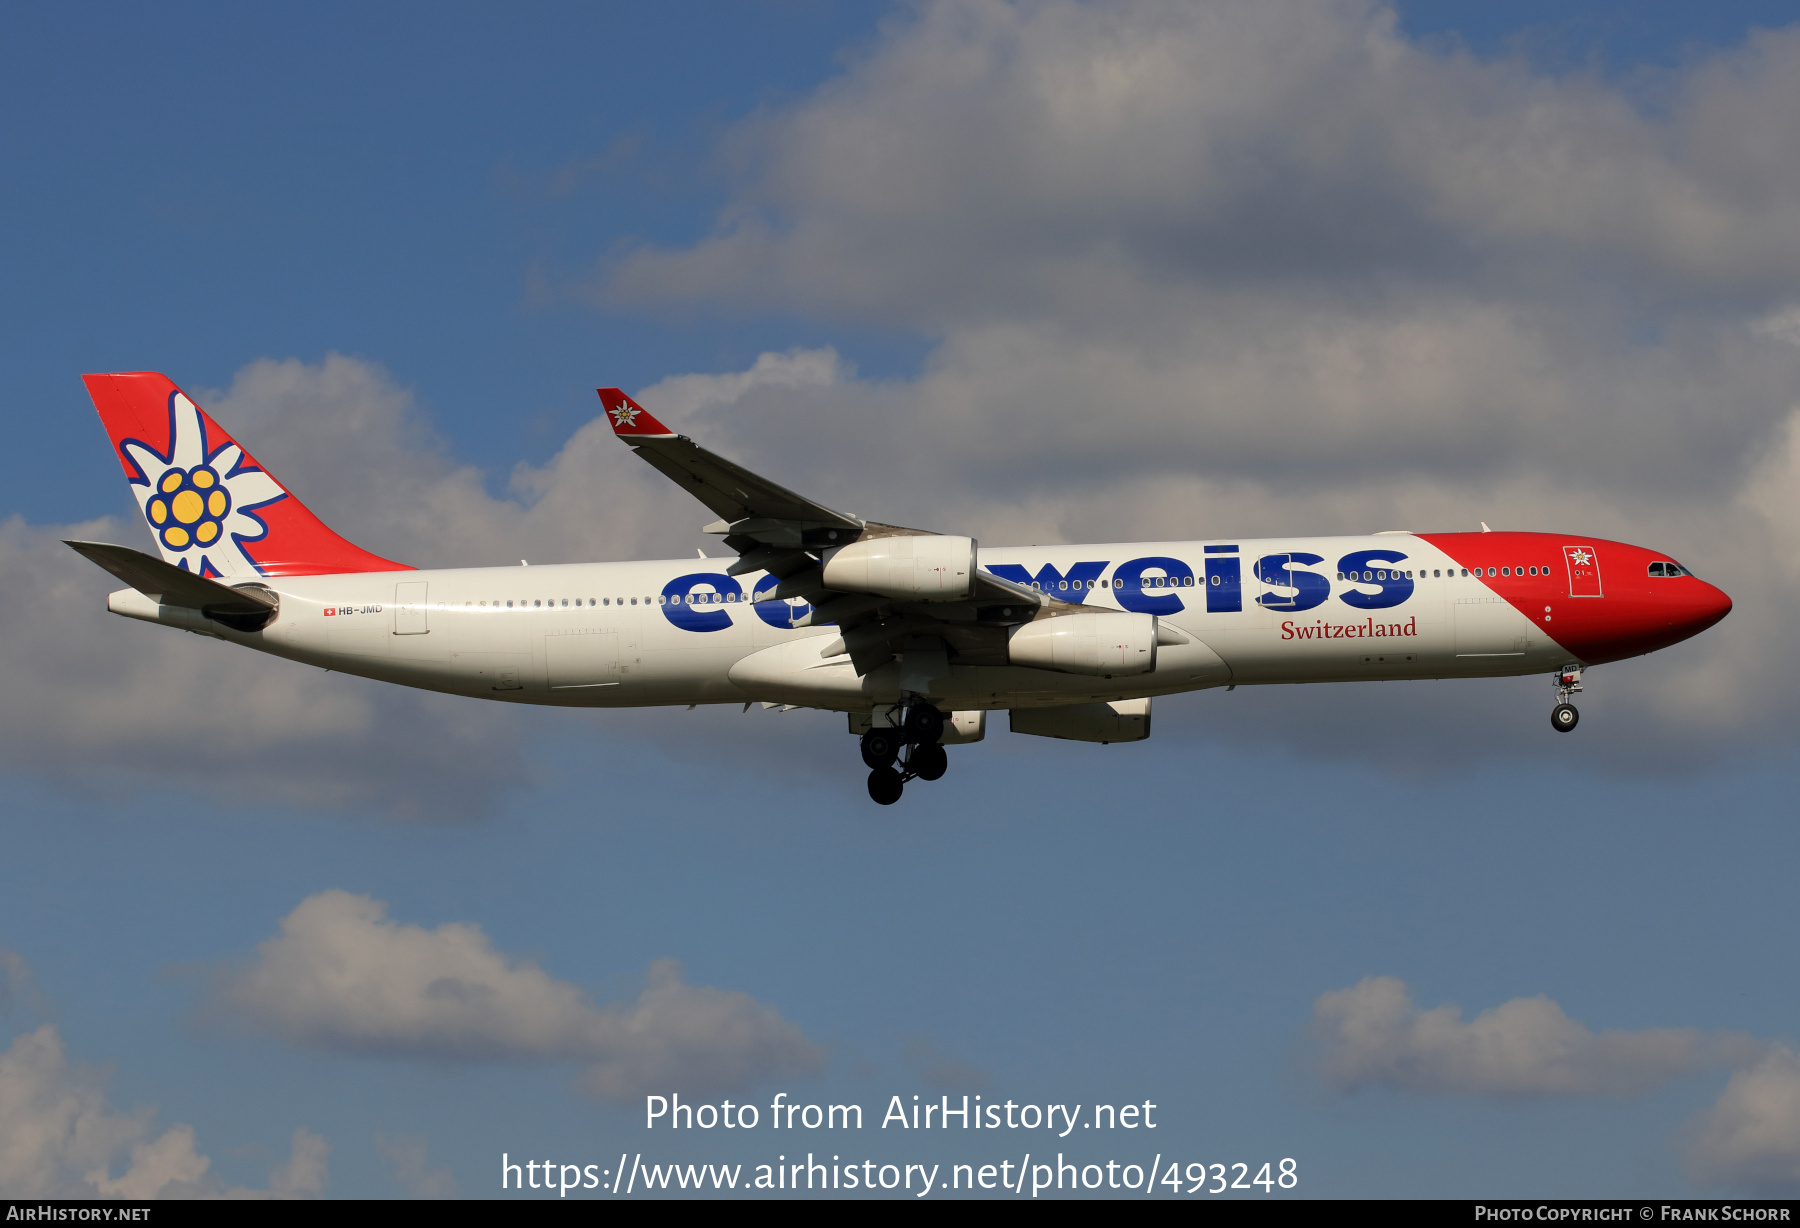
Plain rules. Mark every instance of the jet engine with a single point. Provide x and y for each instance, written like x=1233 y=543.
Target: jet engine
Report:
x=930 y=568
x=1102 y=643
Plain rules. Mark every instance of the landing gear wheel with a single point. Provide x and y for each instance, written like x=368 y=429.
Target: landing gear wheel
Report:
x=880 y=747
x=885 y=786
x=928 y=762
x=1563 y=717
x=924 y=724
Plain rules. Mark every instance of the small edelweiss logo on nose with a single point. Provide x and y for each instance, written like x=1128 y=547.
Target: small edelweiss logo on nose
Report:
x=189 y=507
x=624 y=415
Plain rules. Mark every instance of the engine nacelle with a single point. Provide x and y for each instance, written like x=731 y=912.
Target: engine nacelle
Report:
x=1123 y=720
x=907 y=568
x=1100 y=643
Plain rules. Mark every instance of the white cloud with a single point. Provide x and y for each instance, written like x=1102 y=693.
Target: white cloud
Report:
x=1272 y=267
x=1372 y=1035
x=358 y=450
x=341 y=976
x=411 y=1173
x=60 y=1138
x=988 y=159
x=1238 y=267
x=1751 y=1136
x=103 y=702
x=17 y=985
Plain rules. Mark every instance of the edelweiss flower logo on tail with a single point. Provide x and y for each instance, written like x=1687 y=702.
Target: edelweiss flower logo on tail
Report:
x=200 y=504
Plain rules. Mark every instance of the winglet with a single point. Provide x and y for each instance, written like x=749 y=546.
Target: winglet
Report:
x=629 y=419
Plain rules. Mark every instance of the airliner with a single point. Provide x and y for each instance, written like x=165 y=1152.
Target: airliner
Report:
x=916 y=636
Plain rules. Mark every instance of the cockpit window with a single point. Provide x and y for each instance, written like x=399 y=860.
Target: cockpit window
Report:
x=1665 y=568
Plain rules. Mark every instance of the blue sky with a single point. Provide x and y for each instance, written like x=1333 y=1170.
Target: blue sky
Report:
x=396 y=250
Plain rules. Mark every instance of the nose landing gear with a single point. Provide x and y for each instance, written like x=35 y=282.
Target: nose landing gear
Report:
x=1563 y=717
x=918 y=735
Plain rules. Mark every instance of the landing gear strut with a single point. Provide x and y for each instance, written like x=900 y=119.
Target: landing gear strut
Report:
x=1563 y=717
x=918 y=734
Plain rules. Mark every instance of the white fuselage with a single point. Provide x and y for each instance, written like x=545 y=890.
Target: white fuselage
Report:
x=614 y=635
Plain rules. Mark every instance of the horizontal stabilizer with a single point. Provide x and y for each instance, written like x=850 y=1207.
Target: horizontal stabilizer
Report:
x=168 y=584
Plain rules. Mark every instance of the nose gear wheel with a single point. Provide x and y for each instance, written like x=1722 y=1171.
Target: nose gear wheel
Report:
x=1564 y=717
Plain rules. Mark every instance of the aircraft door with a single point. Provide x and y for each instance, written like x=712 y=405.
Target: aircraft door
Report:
x=1268 y=567
x=1584 y=571
x=409 y=608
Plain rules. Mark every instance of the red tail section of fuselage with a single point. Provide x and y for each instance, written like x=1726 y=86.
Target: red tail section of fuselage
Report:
x=212 y=508
x=1597 y=598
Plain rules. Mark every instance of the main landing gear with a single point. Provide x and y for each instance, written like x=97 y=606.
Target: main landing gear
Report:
x=916 y=738
x=1563 y=717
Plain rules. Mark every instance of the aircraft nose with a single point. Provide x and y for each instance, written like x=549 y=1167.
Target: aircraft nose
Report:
x=1709 y=607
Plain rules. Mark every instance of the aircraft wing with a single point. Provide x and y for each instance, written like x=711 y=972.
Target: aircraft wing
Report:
x=795 y=540
x=730 y=490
